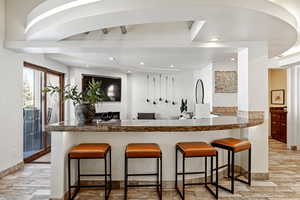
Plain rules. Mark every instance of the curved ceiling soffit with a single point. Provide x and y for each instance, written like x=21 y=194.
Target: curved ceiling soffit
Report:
x=59 y=26
x=105 y=14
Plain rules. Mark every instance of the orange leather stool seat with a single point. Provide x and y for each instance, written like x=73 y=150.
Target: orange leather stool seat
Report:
x=233 y=144
x=196 y=149
x=89 y=150
x=143 y=150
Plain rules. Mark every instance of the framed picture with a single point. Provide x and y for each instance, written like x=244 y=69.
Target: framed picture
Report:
x=226 y=82
x=278 y=97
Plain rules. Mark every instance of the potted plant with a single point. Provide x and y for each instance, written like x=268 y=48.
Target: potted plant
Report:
x=84 y=102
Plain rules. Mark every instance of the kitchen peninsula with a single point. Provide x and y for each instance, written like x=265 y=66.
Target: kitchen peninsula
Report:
x=166 y=133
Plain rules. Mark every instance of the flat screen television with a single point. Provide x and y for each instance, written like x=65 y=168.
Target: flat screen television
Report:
x=110 y=85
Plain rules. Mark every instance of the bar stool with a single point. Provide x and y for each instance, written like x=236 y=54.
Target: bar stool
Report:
x=90 y=151
x=192 y=150
x=144 y=150
x=233 y=145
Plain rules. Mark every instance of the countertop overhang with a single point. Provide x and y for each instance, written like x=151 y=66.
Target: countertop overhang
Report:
x=191 y=125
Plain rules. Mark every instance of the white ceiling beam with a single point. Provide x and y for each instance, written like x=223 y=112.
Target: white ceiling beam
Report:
x=195 y=29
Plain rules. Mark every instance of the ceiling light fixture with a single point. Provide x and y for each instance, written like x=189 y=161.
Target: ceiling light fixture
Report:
x=59 y=9
x=172 y=66
x=232 y=59
x=214 y=39
x=128 y=71
x=142 y=63
x=111 y=58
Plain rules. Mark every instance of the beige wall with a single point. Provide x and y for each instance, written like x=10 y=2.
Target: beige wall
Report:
x=277 y=81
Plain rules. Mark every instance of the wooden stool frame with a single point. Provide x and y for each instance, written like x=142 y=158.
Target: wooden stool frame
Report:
x=158 y=175
x=230 y=167
x=107 y=185
x=183 y=173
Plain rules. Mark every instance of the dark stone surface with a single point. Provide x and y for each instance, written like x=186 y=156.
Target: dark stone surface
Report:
x=206 y=124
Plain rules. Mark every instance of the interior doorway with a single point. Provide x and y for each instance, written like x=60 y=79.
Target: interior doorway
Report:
x=39 y=109
x=278 y=91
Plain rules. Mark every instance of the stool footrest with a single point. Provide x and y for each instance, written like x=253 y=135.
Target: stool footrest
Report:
x=147 y=185
x=221 y=167
x=224 y=188
x=193 y=184
x=155 y=174
x=95 y=174
x=240 y=180
x=86 y=186
x=190 y=173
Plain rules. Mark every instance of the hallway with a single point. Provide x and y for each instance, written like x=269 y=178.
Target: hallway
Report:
x=33 y=182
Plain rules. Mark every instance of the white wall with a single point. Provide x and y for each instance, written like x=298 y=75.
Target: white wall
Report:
x=223 y=99
x=11 y=102
x=184 y=89
x=206 y=74
x=2 y=22
x=11 y=87
x=76 y=79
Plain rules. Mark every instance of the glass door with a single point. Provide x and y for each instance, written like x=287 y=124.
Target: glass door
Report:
x=32 y=112
x=39 y=109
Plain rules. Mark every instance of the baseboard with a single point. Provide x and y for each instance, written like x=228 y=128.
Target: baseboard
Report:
x=12 y=169
x=254 y=176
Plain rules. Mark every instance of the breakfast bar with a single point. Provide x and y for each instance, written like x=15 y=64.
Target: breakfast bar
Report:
x=165 y=133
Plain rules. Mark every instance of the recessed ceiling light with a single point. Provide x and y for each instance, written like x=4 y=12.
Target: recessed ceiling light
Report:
x=232 y=59
x=142 y=63
x=111 y=58
x=128 y=71
x=172 y=66
x=214 y=39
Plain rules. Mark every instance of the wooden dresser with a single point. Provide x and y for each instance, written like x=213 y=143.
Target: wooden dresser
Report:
x=279 y=123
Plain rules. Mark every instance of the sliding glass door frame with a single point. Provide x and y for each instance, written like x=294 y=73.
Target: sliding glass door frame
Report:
x=46 y=149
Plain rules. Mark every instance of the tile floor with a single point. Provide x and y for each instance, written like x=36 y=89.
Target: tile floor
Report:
x=33 y=182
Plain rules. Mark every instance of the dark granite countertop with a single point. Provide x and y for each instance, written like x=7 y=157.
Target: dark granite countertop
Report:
x=205 y=124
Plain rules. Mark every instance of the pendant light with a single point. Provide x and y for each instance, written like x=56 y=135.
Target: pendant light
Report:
x=148 y=100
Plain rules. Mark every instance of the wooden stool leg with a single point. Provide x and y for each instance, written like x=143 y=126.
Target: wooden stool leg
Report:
x=249 y=167
x=229 y=163
x=126 y=178
x=161 y=182
x=205 y=171
x=176 y=168
x=217 y=175
x=69 y=176
x=105 y=177
x=78 y=172
x=211 y=169
x=157 y=175
x=110 y=176
x=183 y=177
x=232 y=173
